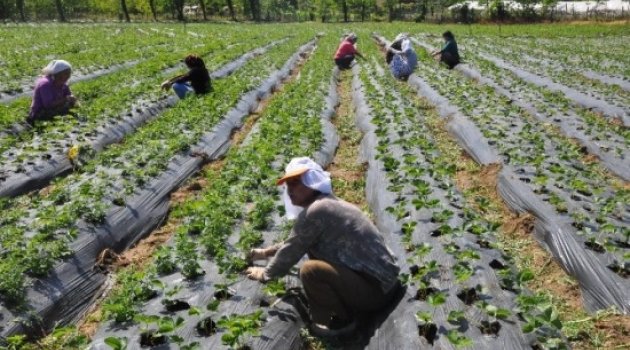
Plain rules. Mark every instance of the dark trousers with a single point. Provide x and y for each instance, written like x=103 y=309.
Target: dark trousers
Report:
x=48 y=114
x=450 y=59
x=339 y=291
x=344 y=62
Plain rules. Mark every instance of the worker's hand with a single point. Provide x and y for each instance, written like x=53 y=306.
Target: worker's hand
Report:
x=71 y=101
x=256 y=273
x=257 y=254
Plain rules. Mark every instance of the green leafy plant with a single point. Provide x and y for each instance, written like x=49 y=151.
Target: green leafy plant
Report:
x=116 y=343
x=458 y=339
x=238 y=326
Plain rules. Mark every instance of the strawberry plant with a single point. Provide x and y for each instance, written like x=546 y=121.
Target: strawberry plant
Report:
x=237 y=327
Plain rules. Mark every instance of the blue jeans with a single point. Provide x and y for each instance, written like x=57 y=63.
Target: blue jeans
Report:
x=181 y=89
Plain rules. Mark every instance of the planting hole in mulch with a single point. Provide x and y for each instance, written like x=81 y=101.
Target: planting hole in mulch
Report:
x=223 y=294
x=468 y=296
x=622 y=244
x=195 y=229
x=497 y=265
x=206 y=327
x=174 y=305
x=594 y=246
x=151 y=338
x=423 y=293
x=490 y=328
x=264 y=302
x=621 y=270
x=428 y=331
x=484 y=244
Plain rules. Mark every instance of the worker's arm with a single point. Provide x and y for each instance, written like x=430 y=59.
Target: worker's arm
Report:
x=168 y=83
x=306 y=233
x=264 y=253
x=393 y=50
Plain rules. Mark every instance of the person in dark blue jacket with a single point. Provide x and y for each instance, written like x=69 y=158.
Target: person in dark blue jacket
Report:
x=449 y=53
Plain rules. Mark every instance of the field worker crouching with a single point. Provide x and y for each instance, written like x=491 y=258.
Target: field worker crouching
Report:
x=350 y=269
x=449 y=53
x=347 y=51
x=197 y=79
x=52 y=96
x=401 y=57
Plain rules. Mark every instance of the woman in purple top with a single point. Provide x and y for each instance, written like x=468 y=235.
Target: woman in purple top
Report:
x=52 y=95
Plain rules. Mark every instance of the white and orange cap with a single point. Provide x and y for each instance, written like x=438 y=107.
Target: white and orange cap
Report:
x=311 y=174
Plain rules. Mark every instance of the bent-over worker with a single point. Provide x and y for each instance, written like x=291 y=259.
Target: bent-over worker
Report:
x=350 y=269
x=52 y=96
x=449 y=53
x=401 y=57
x=197 y=79
x=347 y=51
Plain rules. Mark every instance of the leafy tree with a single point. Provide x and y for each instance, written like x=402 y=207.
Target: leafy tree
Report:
x=391 y=9
x=231 y=8
x=123 y=6
x=202 y=4
x=179 y=8
x=343 y=4
x=363 y=8
x=20 y=6
x=60 y=10
x=324 y=10
x=153 y=9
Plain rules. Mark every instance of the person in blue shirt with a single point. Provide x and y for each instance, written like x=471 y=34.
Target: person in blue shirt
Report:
x=449 y=53
x=401 y=57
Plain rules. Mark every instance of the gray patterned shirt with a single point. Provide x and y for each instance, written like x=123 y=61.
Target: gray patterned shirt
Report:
x=337 y=232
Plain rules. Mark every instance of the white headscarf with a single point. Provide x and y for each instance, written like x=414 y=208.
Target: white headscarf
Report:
x=401 y=36
x=56 y=66
x=312 y=176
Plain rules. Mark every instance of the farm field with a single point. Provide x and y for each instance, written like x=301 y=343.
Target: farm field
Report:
x=501 y=185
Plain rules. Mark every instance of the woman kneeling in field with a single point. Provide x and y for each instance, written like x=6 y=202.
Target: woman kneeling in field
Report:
x=347 y=51
x=449 y=53
x=52 y=96
x=350 y=269
x=401 y=57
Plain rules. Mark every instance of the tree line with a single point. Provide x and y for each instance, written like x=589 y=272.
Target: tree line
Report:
x=262 y=10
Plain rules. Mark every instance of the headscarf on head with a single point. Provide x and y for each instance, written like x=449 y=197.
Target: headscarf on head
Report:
x=352 y=37
x=312 y=176
x=401 y=36
x=55 y=67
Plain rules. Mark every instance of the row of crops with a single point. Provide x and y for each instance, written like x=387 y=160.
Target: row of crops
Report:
x=84 y=47
x=589 y=201
x=562 y=145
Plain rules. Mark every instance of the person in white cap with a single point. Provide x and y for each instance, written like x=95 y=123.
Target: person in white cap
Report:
x=51 y=95
x=350 y=269
x=401 y=57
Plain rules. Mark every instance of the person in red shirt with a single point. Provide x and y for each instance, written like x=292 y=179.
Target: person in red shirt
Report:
x=346 y=52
